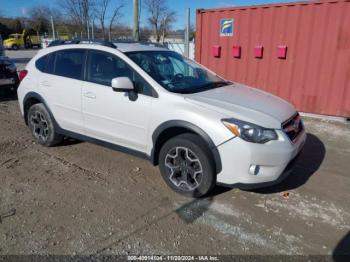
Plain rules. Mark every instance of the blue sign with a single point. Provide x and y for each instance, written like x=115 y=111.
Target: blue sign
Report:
x=226 y=27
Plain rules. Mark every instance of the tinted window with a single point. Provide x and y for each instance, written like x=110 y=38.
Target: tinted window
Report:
x=103 y=67
x=50 y=64
x=69 y=63
x=41 y=63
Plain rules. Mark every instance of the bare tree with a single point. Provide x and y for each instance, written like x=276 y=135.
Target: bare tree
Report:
x=161 y=17
x=167 y=21
x=39 y=18
x=101 y=9
x=79 y=11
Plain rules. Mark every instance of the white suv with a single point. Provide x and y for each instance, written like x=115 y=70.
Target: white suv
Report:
x=199 y=128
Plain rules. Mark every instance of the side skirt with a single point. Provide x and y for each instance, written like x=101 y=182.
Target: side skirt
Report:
x=103 y=143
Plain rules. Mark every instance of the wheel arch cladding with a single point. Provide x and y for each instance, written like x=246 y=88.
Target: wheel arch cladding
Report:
x=31 y=99
x=172 y=128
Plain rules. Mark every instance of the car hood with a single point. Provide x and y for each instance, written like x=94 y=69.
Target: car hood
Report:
x=245 y=103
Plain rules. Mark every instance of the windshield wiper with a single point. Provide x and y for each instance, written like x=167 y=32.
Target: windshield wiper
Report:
x=212 y=85
x=205 y=87
x=222 y=83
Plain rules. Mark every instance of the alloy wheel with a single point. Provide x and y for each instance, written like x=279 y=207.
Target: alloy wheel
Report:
x=184 y=168
x=40 y=126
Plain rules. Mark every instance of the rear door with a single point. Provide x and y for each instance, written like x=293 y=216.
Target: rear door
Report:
x=62 y=85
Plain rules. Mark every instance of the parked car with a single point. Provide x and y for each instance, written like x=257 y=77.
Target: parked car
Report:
x=199 y=128
x=45 y=42
x=8 y=74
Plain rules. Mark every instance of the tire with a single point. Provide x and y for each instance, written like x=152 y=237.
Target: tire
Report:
x=187 y=166
x=41 y=126
x=15 y=47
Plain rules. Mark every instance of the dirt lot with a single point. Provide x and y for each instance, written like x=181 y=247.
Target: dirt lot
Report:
x=79 y=198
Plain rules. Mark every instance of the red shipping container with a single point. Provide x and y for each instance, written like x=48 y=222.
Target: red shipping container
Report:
x=315 y=76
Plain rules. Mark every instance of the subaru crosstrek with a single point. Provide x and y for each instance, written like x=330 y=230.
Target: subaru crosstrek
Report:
x=199 y=128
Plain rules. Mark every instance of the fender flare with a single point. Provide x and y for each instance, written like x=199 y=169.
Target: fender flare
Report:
x=42 y=100
x=193 y=128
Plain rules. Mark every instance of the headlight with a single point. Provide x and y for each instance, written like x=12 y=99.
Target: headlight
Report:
x=250 y=132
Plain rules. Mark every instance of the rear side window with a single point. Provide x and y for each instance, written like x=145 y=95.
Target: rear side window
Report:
x=69 y=63
x=41 y=63
x=50 y=64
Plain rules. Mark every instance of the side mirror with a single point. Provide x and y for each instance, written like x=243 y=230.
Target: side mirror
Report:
x=122 y=84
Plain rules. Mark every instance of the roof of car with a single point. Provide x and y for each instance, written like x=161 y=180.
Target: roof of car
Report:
x=133 y=47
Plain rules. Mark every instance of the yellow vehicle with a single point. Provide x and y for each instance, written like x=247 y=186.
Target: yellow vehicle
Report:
x=16 y=41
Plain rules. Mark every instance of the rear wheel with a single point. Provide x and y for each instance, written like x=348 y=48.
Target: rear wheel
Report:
x=42 y=127
x=186 y=165
x=15 y=47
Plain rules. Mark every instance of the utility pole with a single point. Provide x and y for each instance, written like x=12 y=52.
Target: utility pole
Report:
x=92 y=30
x=136 y=29
x=88 y=28
x=187 y=34
x=53 y=29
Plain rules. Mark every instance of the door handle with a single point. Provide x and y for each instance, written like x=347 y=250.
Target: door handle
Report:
x=90 y=95
x=45 y=83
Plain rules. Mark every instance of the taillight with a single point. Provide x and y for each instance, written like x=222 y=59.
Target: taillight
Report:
x=22 y=74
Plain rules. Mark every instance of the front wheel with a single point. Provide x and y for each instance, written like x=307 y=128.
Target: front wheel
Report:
x=187 y=166
x=42 y=127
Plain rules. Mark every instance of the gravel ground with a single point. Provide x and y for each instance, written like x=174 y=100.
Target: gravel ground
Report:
x=79 y=198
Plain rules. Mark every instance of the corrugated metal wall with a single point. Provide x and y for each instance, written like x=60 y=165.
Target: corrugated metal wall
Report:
x=315 y=76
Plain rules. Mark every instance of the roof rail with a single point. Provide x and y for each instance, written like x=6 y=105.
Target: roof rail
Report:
x=122 y=41
x=82 y=41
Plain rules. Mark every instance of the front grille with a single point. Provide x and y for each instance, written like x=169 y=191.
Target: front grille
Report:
x=293 y=127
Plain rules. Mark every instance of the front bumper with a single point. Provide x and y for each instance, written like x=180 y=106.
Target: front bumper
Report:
x=273 y=159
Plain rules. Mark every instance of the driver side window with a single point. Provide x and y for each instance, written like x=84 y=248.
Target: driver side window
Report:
x=102 y=67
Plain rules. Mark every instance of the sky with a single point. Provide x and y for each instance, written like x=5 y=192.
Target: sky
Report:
x=20 y=8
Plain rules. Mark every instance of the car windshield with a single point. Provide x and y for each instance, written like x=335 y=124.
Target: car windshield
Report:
x=176 y=73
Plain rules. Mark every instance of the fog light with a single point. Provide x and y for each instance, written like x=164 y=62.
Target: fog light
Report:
x=254 y=169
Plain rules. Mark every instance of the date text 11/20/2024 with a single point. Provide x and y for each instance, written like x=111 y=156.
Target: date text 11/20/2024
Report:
x=173 y=258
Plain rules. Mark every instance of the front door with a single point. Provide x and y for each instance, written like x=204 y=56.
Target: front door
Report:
x=112 y=116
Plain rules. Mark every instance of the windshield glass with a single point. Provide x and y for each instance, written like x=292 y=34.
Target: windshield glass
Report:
x=176 y=73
